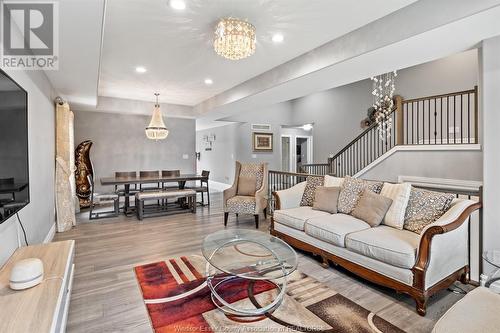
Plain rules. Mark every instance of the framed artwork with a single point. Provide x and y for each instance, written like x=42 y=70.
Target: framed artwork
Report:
x=262 y=142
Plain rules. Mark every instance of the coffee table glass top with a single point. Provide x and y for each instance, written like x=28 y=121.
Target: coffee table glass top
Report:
x=249 y=254
x=492 y=257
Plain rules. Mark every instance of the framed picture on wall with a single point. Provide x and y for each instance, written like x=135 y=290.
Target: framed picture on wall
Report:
x=262 y=142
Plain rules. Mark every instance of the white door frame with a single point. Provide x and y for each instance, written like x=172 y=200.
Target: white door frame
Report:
x=290 y=148
x=309 y=150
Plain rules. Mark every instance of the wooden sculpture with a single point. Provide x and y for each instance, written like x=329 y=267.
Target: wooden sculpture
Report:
x=83 y=169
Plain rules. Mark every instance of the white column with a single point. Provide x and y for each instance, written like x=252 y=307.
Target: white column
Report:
x=490 y=100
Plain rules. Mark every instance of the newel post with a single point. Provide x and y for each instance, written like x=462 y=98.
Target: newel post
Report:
x=398 y=101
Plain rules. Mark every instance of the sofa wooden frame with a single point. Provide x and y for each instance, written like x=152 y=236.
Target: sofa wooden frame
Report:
x=417 y=291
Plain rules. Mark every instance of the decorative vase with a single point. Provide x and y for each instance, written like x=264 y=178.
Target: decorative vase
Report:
x=83 y=169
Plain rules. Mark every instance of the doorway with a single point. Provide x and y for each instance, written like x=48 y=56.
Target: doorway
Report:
x=302 y=151
x=286 y=153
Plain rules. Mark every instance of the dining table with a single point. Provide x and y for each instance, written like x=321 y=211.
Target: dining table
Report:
x=127 y=181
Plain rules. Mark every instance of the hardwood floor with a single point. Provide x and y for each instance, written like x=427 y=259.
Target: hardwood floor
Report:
x=106 y=297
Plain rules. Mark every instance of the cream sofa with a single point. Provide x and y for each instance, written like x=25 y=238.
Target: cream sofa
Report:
x=416 y=264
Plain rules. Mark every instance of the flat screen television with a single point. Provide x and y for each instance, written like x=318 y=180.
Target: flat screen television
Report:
x=14 y=172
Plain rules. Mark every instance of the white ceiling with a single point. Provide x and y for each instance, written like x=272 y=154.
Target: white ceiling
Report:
x=80 y=37
x=175 y=46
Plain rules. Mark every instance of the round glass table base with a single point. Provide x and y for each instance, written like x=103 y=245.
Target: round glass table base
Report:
x=232 y=310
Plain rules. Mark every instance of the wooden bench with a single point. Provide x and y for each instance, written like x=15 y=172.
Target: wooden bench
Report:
x=159 y=210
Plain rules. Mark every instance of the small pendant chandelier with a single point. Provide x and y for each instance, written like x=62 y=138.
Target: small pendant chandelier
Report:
x=156 y=129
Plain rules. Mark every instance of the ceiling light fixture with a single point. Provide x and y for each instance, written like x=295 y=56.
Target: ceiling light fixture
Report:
x=208 y=81
x=177 y=4
x=383 y=102
x=156 y=129
x=307 y=127
x=141 y=69
x=234 y=38
x=278 y=38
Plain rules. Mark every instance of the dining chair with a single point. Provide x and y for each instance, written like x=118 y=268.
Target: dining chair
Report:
x=120 y=190
x=170 y=173
x=98 y=199
x=203 y=187
x=149 y=186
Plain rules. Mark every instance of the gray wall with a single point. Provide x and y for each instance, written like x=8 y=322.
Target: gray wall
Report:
x=220 y=160
x=120 y=143
x=490 y=100
x=336 y=114
x=462 y=165
x=38 y=215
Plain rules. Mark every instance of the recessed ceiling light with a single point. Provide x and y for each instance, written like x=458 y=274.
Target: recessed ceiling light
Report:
x=208 y=81
x=278 y=38
x=177 y=4
x=141 y=69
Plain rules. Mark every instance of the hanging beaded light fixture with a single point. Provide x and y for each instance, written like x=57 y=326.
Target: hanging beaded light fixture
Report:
x=234 y=38
x=156 y=129
x=383 y=102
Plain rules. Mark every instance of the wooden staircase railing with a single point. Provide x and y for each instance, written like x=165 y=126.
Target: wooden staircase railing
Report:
x=315 y=168
x=433 y=120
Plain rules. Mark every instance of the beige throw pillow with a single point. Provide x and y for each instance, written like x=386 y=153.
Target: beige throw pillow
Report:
x=400 y=194
x=325 y=199
x=424 y=208
x=371 y=208
x=311 y=184
x=331 y=181
x=247 y=185
x=352 y=188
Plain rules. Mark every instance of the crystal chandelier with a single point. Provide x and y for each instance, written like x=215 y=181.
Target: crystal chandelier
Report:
x=156 y=129
x=234 y=38
x=383 y=103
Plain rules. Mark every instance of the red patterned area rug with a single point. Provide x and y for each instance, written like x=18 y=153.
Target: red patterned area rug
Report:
x=178 y=300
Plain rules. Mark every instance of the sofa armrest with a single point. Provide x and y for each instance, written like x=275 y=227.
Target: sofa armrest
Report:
x=443 y=245
x=290 y=197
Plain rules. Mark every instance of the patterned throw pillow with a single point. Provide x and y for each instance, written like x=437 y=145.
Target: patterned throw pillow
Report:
x=351 y=191
x=424 y=208
x=310 y=190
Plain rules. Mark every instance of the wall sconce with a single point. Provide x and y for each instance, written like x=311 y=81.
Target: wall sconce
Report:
x=209 y=140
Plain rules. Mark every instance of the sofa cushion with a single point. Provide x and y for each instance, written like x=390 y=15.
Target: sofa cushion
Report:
x=241 y=204
x=334 y=228
x=386 y=244
x=296 y=217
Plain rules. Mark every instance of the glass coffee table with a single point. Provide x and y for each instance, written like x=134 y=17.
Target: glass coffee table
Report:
x=493 y=258
x=239 y=254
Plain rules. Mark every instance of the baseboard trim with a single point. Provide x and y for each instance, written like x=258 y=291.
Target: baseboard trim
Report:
x=50 y=235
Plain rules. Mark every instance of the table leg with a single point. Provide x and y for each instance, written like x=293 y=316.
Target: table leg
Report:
x=127 y=199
